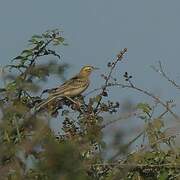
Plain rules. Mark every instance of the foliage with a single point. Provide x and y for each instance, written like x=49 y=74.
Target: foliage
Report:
x=30 y=149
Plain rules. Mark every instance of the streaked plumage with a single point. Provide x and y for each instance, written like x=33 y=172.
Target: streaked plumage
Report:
x=71 y=88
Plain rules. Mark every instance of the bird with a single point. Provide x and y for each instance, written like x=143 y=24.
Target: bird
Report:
x=70 y=88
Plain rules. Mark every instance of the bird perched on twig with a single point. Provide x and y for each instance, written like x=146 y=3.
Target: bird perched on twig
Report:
x=71 y=88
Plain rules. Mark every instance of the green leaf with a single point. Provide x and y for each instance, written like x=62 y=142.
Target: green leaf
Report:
x=144 y=107
x=164 y=175
x=27 y=52
x=19 y=57
x=60 y=39
x=97 y=98
x=46 y=35
x=56 y=42
x=11 y=86
x=36 y=36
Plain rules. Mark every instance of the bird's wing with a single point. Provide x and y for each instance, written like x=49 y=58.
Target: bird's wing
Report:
x=73 y=83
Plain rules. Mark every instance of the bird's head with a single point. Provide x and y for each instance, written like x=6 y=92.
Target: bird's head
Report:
x=86 y=70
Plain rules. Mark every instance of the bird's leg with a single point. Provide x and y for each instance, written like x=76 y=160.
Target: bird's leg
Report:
x=79 y=105
x=70 y=99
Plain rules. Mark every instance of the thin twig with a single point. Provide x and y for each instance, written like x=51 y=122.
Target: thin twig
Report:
x=157 y=99
x=162 y=72
x=127 y=145
x=159 y=141
x=126 y=116
x=113 y=65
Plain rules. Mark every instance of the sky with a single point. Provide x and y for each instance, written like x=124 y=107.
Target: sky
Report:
x=96 y=31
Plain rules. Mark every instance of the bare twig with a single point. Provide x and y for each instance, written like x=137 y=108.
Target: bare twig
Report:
x=156 y=98
x=128 y=144
x=159 y=141
x=126 y=116
x=113 y=65
x=131 y=86
x=162 y=72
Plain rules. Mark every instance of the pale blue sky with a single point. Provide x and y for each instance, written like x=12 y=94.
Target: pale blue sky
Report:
x=96 y=30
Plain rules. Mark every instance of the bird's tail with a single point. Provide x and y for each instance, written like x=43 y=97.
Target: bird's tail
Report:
x=44 y=103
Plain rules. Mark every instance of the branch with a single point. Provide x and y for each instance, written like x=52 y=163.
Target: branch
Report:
x=157 y=99
x=162 y=72
x=126 y=165
x=126 y=116
x=160 y=141
x=131 y=86
x=112 y=65
x=32 y=61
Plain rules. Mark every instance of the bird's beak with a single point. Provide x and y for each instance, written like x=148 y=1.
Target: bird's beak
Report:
x=95 y=68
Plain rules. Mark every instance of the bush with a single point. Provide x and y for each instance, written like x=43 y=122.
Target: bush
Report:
x=31 y=150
